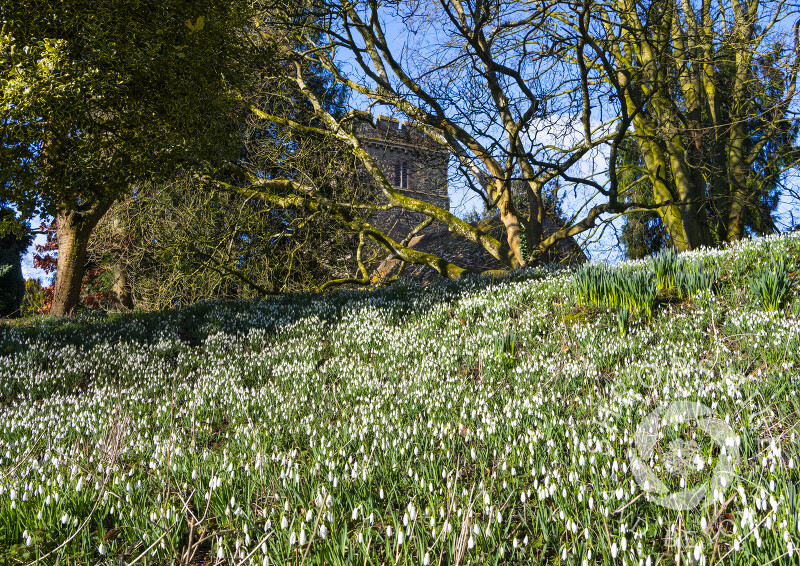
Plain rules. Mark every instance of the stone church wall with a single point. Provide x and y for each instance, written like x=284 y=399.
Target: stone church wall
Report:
x=414 y=164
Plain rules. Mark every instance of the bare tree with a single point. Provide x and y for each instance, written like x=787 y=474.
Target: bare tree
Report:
x=710 y=88
x=509 y=89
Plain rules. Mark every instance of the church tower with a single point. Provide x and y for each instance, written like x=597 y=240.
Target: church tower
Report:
x=413 y=163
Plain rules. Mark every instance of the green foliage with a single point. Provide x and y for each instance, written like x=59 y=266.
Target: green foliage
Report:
x=623 y=319
x=693 y=278
x=666 y=264
x=600 y=285
x=35 y=298
x=14 y=239
x=505 y=344
x=771 y=285
x=97 y=96
x=643 y=233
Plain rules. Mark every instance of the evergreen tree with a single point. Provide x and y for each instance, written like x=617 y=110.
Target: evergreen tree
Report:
x=13 y=243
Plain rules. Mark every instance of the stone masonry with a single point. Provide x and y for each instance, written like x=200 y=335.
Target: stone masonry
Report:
x=414 y=164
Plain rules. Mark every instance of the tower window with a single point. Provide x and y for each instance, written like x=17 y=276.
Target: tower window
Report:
x=398 y=172
x=405 y=175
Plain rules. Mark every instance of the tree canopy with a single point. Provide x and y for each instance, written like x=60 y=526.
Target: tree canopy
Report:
x=98 y=96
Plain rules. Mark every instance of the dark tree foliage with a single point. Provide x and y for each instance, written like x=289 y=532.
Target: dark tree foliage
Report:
x=12 y=245
x=643 y=233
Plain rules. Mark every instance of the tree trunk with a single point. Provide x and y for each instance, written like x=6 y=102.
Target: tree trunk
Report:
x=73 y=228
x=121 y=288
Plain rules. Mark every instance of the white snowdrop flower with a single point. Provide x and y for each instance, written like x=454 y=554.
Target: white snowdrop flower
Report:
x=522 y=497
x=614 y=551
x=284 y=522
x=399 y=536
x=515 y=542
x=323 y=530
x=79 y=486
x=354 y=515
x=703 y=523
x=309 y=516
x=471 y=543
x=389 y=531
x=564 y=554
x=698 y=551
x=486 y=499
x=64 y=519
x=405 y=519
x=623 y=544
x=426 y=560
x=790 y=548
x=101 y=549
x=302 y=539
x=220 y=552
x=380 y=493
x=412 y=512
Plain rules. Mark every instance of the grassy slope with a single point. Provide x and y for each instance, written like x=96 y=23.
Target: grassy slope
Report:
x=481 y=422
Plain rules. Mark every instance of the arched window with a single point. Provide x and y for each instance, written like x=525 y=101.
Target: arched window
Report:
x=405 y=175
x=398 y=172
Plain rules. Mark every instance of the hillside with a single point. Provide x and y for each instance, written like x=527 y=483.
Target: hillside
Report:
x=488 y=421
